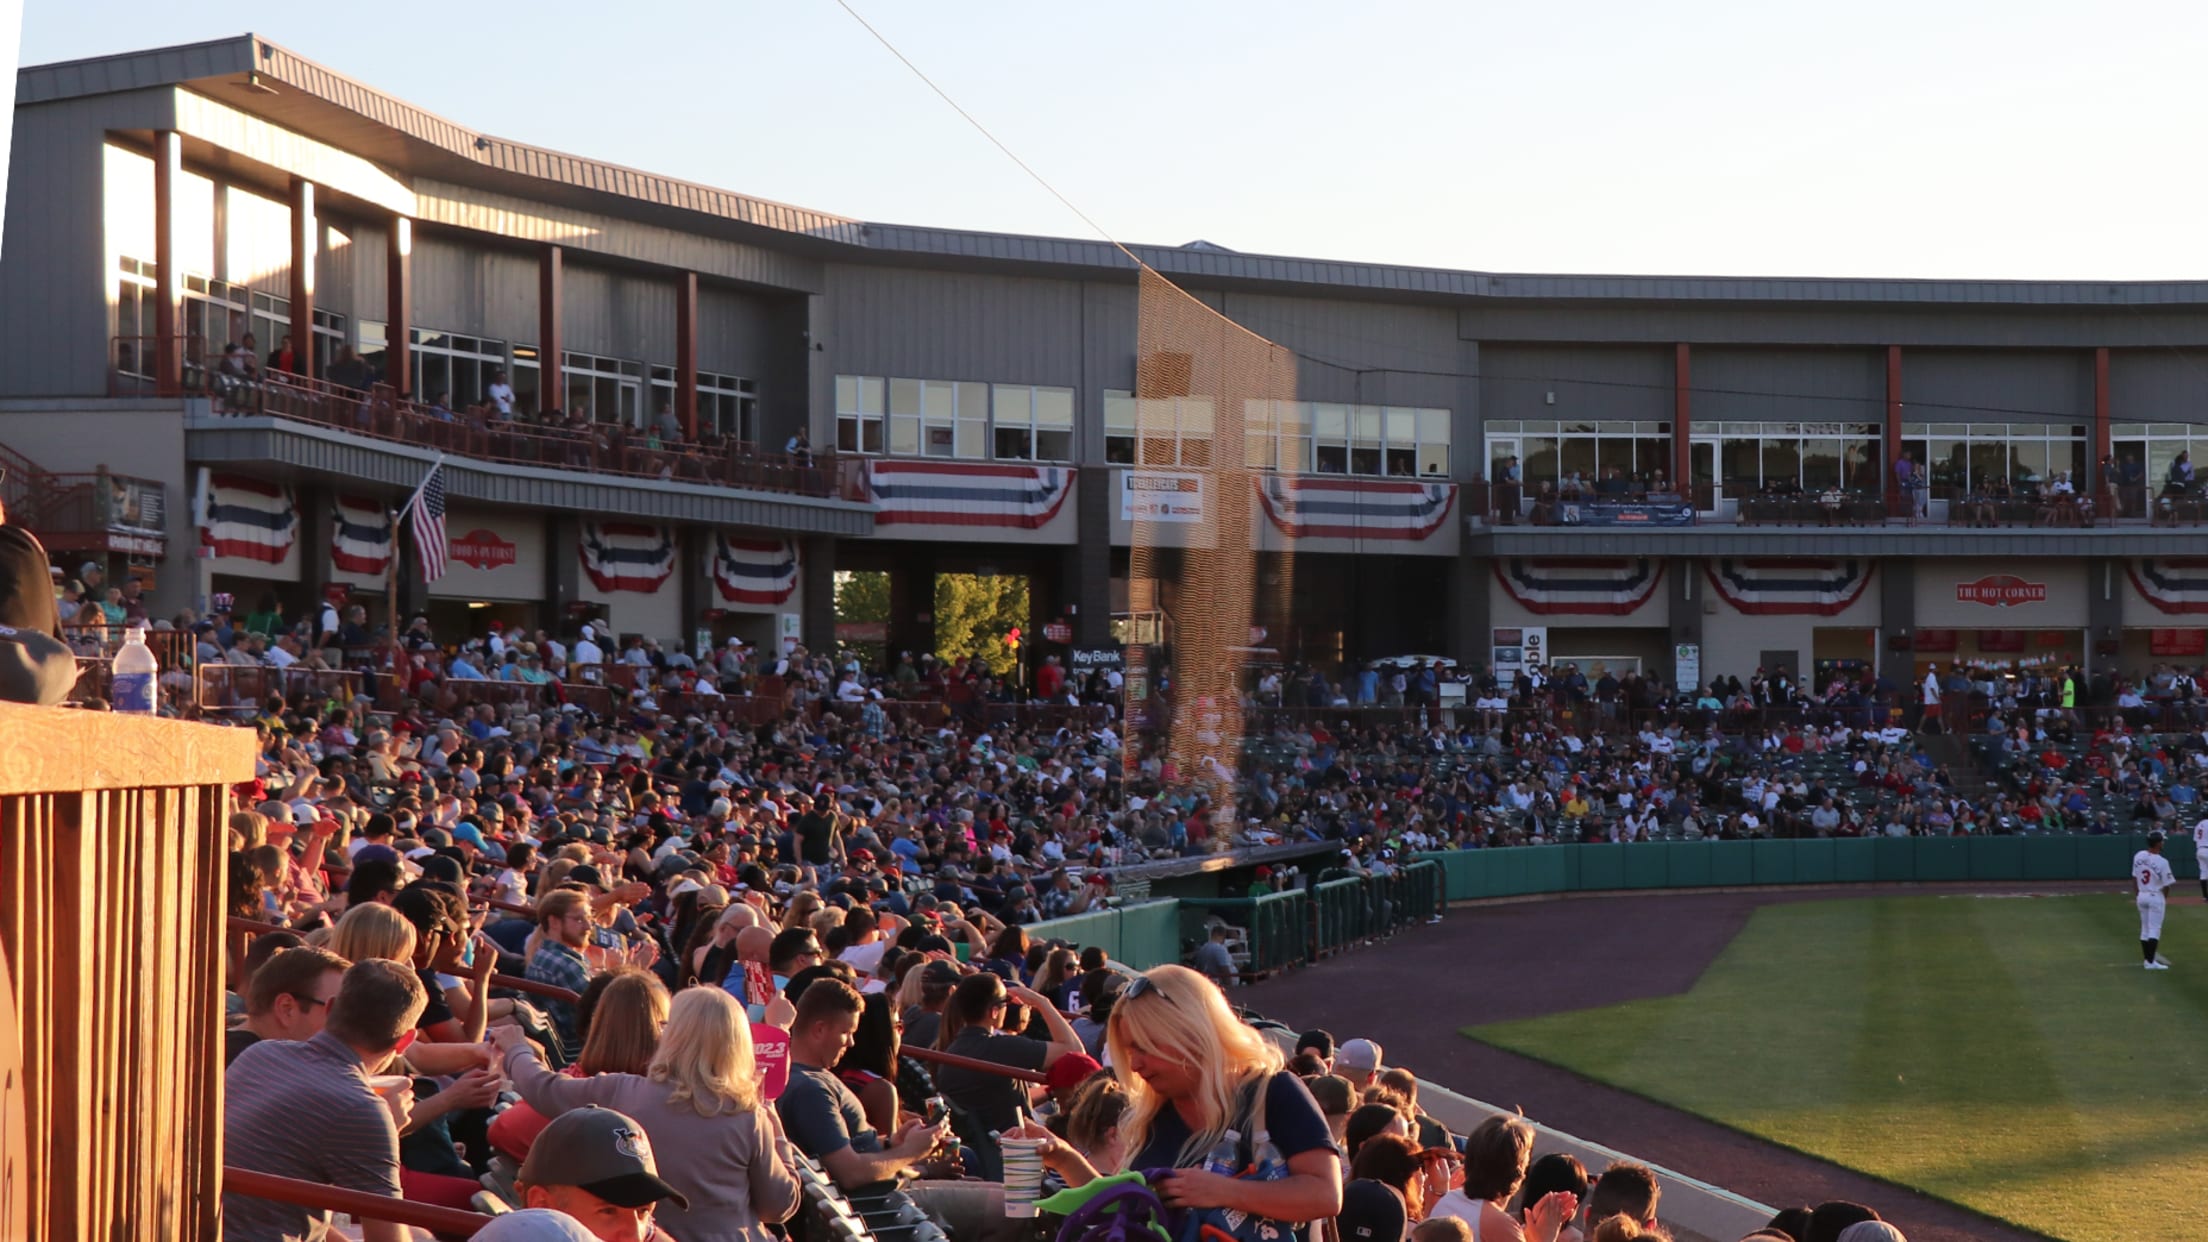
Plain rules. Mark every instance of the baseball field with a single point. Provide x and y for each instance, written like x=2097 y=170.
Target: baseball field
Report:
x=2005 y=1053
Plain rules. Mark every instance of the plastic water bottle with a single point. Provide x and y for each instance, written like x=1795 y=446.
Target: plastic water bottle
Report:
x=1271 y=1165
x=136 y=686
x=1226 y=1155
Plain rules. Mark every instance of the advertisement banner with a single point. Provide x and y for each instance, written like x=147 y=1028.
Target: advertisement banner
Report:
x=1160 y=496
x=1096 y=659
x=1513 y=651
x=1686 y=666
x=1625 y=513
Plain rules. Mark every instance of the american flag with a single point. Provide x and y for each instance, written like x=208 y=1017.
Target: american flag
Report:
x=428 y=511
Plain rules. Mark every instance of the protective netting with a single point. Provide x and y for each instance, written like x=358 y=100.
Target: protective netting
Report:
x=1208 y=393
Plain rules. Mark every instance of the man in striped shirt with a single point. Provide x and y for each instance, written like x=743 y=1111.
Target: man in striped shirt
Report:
x=305 y=1110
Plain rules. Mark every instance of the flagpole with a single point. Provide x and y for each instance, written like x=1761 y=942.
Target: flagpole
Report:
x=391 y=571
x=391 y=600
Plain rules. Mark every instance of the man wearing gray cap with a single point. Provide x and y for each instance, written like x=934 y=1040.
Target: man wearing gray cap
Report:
x=596 y=1165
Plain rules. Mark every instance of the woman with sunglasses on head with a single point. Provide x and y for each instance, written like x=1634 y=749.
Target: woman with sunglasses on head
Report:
x=1193 y=1071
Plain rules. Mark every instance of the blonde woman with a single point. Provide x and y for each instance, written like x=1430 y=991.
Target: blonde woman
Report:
x=717 y=1139
x=1193 y=1071
x=373 y=930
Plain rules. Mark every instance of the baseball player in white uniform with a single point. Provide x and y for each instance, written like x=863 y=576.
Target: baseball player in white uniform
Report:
x=2200 y=852
x=2151 y=873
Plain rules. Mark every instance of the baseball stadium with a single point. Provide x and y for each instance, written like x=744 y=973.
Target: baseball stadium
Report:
x=671 y=715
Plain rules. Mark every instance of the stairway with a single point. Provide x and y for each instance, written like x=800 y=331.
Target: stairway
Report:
x=1952 y=750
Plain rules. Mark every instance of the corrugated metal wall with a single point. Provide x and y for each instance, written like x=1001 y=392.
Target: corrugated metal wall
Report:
x=468 y=289
x=618 y=315
x=2158 y=385
x=735 y=333
x=954 y=325
x=1816 y=324
x=1591 y=382
x=1788 y=385
x=256 y=242
x=1997 y=386
x=1358 y=351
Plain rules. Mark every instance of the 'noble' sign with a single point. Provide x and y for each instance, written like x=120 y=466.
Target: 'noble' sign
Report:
x=2001 y=591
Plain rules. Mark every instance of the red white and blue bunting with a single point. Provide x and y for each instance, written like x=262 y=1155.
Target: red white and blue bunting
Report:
x=754 y=571
x=2173 y=584
x=360 y=535
x=1789 y=586
x=1555 y=586
x=1316 y=507
x=627 y=556
x=966 y=494
x=246 y=518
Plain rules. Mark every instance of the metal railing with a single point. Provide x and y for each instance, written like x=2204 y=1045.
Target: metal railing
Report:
x=442 y=1221
x=230 y=687
x=379 y=412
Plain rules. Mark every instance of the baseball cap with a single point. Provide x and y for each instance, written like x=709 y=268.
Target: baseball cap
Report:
x=1361 y=1055
x=1371 y=1212
x=35 y=668
x=535 y=1225
x=942 y=972
x=1070 y=1070
x=603 y=1152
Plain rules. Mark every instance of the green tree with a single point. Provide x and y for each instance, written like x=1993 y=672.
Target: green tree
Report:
x=974 y=613
x=862 y=596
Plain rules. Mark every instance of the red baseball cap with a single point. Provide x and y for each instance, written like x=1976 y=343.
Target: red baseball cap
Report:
x=1071 y=1070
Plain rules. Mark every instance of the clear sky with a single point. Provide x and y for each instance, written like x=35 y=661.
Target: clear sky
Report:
x=1955 y=138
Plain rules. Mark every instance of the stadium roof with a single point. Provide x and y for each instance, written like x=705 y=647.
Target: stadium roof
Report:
x=252 y=74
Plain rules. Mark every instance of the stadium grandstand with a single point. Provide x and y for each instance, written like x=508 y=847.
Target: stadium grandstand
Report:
x=561 y=873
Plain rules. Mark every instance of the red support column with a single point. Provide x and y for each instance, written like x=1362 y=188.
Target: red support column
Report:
x=686 y=353
x=398 y=308
x=168 y=165
x=1682 y=419
x=305 y=233
x=2102 y=447
x=551 y=377
x=1895 y=502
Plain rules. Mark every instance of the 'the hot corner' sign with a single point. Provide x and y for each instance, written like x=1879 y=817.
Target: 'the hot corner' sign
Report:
x=2001 y=591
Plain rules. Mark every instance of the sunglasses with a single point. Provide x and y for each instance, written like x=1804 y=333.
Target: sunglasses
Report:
x=1143 y=985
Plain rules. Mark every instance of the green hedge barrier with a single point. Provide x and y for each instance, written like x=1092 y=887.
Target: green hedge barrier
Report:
x=1474 y=875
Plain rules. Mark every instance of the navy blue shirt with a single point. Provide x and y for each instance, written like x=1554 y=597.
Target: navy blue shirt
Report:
x=1292 y=1121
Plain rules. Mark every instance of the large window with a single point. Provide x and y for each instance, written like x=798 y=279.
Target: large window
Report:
x=1554 y=452
x=1970 y=457
x=728 y=405
x=1031 y=424
x=610 y=390
x=952 y=418
x=454 y=370
x=1795 y=457
x=215 y=315
x=861 y=402
x=1300 y=437
x=134 y=310
x=271 y=322
x=2155 y=446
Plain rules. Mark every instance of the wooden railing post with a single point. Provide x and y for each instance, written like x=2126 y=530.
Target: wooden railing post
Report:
x=112 y=875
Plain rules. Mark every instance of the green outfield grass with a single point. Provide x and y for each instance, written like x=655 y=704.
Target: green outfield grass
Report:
x=2008 y=1054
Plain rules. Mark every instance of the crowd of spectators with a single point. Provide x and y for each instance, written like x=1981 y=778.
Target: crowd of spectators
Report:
x=633 y=1104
